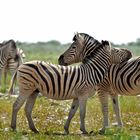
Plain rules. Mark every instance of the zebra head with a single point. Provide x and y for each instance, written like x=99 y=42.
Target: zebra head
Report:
x=120 y=55
x=10 y=49
x=83 y=46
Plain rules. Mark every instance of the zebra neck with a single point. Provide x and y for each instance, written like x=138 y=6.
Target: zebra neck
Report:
x=95 y=69
x=91 y=47
x=92 y=74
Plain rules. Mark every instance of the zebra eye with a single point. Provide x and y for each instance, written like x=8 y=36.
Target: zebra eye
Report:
x=74 y=47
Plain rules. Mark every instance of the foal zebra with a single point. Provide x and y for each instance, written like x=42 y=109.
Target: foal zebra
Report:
x=62 y=82
x=122 y=78
x=8 y=50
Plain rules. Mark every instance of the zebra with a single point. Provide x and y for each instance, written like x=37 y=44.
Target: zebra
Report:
x=62 y=82
x=8 y=50
x=13 y=64
x=122 y=78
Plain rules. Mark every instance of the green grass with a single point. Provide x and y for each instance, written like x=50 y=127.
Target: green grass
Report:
x=49 y=115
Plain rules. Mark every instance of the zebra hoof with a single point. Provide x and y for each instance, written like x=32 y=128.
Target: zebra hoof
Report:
x=66 y=132
x=13 y=128
x=35 y=131
x=102 y=131
x=84 y=132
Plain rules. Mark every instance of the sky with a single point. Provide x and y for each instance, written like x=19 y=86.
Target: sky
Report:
x=43 y=20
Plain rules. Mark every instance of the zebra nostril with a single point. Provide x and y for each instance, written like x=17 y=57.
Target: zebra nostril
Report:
x=61 y=60
x=61 y=57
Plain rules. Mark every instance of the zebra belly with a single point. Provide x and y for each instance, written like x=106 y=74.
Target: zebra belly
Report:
x=60 y=96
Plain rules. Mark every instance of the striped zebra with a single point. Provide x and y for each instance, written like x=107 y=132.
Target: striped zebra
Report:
x=8 y=50
x=13 y=64
x=62 y=82
x=122 y=78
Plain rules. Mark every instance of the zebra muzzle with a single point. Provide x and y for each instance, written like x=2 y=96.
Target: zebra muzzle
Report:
x=61 y=61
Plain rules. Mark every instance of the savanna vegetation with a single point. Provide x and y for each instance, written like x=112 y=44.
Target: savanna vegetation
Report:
x=50 y=115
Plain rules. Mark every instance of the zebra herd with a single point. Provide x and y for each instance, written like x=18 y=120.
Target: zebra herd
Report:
x=103 y=69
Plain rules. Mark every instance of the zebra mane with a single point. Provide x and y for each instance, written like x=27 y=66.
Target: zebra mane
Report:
x=91 y=42
x=85 y=35
x=92 y=54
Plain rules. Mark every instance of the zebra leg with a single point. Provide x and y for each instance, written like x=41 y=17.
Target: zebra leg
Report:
x=82 y=106
x=74 y=107
x=5 y=76
x=116 y=107
x=0 y=76
x=103 y=97
x=28 y=110
x=5 y=79
x=16 y=106
x=12 y=72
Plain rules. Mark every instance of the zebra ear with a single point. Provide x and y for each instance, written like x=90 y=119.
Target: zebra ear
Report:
x=75 y=36
x=79 y=38
x=106 y=44
x=75 y=33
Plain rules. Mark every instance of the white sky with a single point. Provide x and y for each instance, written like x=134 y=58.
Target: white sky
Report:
x=43 y=20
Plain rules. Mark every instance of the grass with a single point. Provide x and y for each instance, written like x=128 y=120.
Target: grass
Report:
x=49 y=115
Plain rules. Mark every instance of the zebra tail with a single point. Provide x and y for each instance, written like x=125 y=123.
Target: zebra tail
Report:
x=12 y=82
